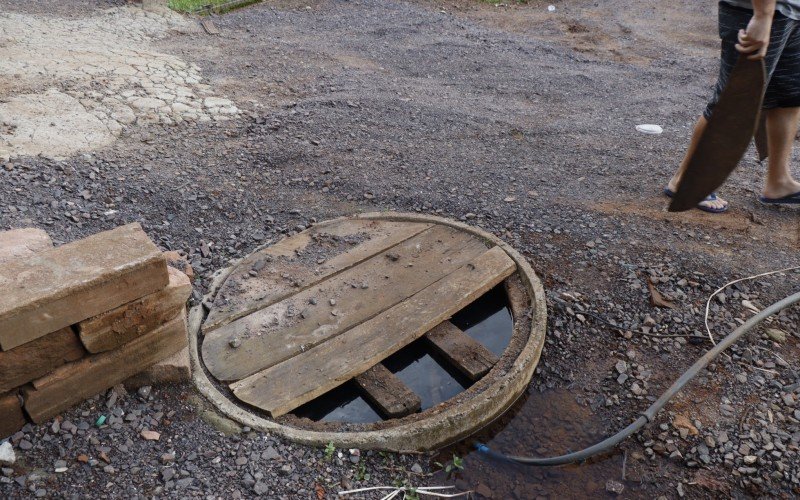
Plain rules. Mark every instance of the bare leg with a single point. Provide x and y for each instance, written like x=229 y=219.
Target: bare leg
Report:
x=782 y=124
x=676 y=179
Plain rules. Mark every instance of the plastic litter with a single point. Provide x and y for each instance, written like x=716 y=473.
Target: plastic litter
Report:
x=649 y=128
x=551 y=8
x=100 y=421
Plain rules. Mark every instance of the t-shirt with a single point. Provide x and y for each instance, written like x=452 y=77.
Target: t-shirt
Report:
x=789 y=8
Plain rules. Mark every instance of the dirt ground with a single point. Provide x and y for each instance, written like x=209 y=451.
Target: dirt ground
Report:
x=511 y=117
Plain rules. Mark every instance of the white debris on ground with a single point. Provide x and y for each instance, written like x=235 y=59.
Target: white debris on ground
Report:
x=74 y=84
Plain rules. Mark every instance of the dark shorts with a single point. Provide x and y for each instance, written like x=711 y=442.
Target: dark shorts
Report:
x=782 y=59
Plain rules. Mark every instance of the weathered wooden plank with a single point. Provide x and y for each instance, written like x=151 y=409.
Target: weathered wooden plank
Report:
x=465 y=353
x=112 y=329
x=11 y=417
x=55 y=288
x=278 y=332
x=300 y=261
x=20 y=243
x=36 y=358
x=74 y=382
x=287 y=385
x=392 y=397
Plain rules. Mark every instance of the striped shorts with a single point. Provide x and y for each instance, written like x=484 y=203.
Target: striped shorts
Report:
x=782 y=59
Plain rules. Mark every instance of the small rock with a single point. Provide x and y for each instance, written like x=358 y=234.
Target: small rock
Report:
x=614 y=487
x=144 y=391
x=7 y=455
x=416 y=468
x=235 y=342
x=149 y=435
x=260 y=488
x=776 y=335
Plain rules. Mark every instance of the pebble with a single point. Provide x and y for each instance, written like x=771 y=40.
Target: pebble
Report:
x=149 y=435
x=614 y=487
x=7 y=455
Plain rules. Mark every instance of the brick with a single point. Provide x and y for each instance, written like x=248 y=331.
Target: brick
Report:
x=173 y=370
x=74 y=382
x=34 y=359
x=123 y=324
x=11 y=416
x=20 y=243
x=67 y=284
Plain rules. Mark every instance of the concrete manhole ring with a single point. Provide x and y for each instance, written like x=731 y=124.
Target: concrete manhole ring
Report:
x=429 y=429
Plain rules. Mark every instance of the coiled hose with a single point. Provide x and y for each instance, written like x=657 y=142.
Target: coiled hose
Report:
x=650 y=413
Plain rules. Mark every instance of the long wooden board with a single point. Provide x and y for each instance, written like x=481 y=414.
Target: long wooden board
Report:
x=287 y=385
x=300 y=261
x=468 y=355
x=34 y=359
x=59 y=287
x=392 y=397
x=74 y=382
x=113 y=328
x=11 y=417
x=302 y=321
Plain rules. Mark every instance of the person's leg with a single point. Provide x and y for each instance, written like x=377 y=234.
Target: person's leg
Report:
x=718 y=203
x=782 y=124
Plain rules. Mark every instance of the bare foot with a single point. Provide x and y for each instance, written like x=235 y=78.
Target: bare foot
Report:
x=713 y=203
x=781 y=189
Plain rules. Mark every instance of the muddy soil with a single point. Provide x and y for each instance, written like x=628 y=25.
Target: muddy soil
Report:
x=511 y=118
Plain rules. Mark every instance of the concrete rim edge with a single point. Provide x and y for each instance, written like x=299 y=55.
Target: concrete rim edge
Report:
x=423 y=435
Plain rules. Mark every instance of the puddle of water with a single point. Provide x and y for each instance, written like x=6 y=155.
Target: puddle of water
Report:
x=487 y=320
x=343 y=404
x=541 y=424
x=426 y=373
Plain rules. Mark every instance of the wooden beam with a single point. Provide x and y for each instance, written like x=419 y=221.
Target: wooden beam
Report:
x=287 y=385
x=465 y=353
x=55 y=288
x=301 y=261
x=392 y=397
x=302 y=321
x=74 y=382
x=39 y=357
x=11 y=417
x=111 y=329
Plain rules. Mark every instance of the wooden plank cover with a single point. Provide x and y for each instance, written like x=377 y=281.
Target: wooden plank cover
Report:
x=465 y=353
x=300 y=261
x=387 y=392
x=74 y=382
x=278 y=332
x=123 y=324
x=56 y=288
x=34 y=359
x=287 y=385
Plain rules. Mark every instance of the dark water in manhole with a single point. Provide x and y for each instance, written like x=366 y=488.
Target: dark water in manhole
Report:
x=540 y=424
x=487 y=320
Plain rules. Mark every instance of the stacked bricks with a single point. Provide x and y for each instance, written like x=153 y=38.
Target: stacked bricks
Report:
x=80 y=318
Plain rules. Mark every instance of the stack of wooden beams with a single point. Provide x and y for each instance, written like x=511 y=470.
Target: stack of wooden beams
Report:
x=82 y=317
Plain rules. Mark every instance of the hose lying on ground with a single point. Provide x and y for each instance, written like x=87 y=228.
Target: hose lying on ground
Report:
x=650 y=413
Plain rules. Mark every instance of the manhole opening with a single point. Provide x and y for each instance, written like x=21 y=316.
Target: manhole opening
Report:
x=390 y=331
x=425 y=371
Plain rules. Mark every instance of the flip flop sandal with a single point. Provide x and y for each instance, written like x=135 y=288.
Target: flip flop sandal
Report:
x=712 y=197
x=790 y=199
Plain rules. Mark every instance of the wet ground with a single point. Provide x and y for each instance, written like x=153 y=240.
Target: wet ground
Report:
x=514 y=119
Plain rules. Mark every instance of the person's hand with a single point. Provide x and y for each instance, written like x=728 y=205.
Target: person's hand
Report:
x=755 y=39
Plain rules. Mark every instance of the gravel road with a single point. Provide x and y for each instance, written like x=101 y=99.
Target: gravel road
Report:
x=512 y=118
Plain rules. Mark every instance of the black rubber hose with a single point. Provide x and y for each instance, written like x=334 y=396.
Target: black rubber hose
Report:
x=650 y=413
